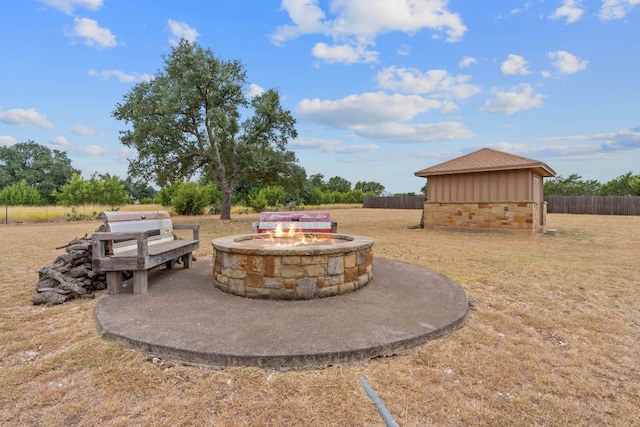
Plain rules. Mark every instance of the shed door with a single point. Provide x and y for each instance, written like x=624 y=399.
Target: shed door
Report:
x=537 y=198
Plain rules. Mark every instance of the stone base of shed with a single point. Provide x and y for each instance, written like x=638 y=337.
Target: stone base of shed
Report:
x=504 y=216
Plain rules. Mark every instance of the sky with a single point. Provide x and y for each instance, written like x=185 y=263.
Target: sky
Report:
x=379 y=89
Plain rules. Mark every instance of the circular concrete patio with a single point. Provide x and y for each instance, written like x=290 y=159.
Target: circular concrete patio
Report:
x=184 y=318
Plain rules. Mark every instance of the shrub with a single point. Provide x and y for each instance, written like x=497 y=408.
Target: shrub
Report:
x=21 y=194
x=274 y=195
x=189 y=199
x=258 y=201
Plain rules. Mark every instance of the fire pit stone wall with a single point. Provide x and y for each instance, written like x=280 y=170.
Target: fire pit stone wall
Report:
x=301 y=272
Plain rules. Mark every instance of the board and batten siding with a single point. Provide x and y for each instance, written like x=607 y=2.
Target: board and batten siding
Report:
x=499 y=186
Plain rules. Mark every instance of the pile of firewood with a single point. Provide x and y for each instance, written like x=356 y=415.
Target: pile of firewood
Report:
x=70 y=276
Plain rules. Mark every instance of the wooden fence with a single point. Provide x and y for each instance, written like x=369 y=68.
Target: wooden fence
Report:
x=395 y=202
x=596 y=205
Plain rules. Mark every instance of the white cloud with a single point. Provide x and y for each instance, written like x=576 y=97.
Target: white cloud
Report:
x=383 y=117
x=357 y=23
x=7 y=141
x=344 y=53
x=28 y=117
x=323 y=144
x=180 y=30
x=59 y=140
x=518 y=10
x=92 y=33
x=83 y=130
x=365 y=109
x=467 y=61
x=515 y=64
x=403 y=50
x=623 y=140
x=437 y=82
x=67 y=6
x=566 y=62
x=616 y=9
x=331 y=146
x=91 y=150
x=572 y=10
x=120 y=75
x=416 y=132
x=254 y=90
x=518 y=98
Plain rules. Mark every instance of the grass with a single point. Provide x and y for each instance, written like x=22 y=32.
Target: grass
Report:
x=553 y=339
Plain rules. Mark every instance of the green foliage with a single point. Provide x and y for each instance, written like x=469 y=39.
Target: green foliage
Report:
x=338 y=184
x=194 y=116
x=139 y=190
x=75 y=193
x=369 y=187
x=258 y=201
x=41 y=168
x=624 y=185
x=353 y=196
x=316 y=181
x=75 y=216
x=314 y=197
x=107 y=190
x=20 y=194
x=165 y=194
x=275 y=196
x=214 y=195
x=573 y=185
x=102 y=189
x=190 y=199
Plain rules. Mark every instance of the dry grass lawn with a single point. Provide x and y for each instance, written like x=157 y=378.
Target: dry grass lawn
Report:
x=553 y=339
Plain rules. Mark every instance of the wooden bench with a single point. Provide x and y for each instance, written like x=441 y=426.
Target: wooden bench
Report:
x=305 y=222
x=138 y=242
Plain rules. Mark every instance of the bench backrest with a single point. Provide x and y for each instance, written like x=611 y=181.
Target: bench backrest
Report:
x=306 y=222
x=157 y=224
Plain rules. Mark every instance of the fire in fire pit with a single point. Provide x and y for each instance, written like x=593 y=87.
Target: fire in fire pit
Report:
x=296 y=266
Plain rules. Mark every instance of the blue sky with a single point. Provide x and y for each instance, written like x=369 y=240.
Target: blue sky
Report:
x=379 y=88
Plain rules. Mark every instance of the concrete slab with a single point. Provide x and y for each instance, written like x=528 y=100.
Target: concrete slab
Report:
x=184 y=318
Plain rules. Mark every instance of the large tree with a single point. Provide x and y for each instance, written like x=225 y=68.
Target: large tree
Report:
x=195 y=116
x=36 y=165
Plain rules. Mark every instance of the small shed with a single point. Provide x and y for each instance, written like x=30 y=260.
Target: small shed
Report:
x=487 y=189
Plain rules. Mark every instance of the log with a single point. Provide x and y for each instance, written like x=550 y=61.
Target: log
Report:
x=49 y=298
x=69 y=276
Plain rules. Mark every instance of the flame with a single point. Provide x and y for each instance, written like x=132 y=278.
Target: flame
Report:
x=292 y=237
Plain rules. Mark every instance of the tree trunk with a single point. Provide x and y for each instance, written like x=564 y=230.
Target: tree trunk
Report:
x=225 y=212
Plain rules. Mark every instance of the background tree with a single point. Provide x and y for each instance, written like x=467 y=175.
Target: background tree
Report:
x=338 y=184
x=190 y=199
x=369 y=187
x=107 y=190
x=194 y=116
x=20 y=194
x=102 y=189
x=317 y=181
x=41 y=168
x=139 y=190
x=624 y=185
x=573 y=185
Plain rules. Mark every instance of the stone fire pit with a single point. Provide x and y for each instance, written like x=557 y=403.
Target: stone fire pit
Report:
x=263 y=266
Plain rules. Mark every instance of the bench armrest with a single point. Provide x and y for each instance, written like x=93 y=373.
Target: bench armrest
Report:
x=99 y=242
x=194 y=227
